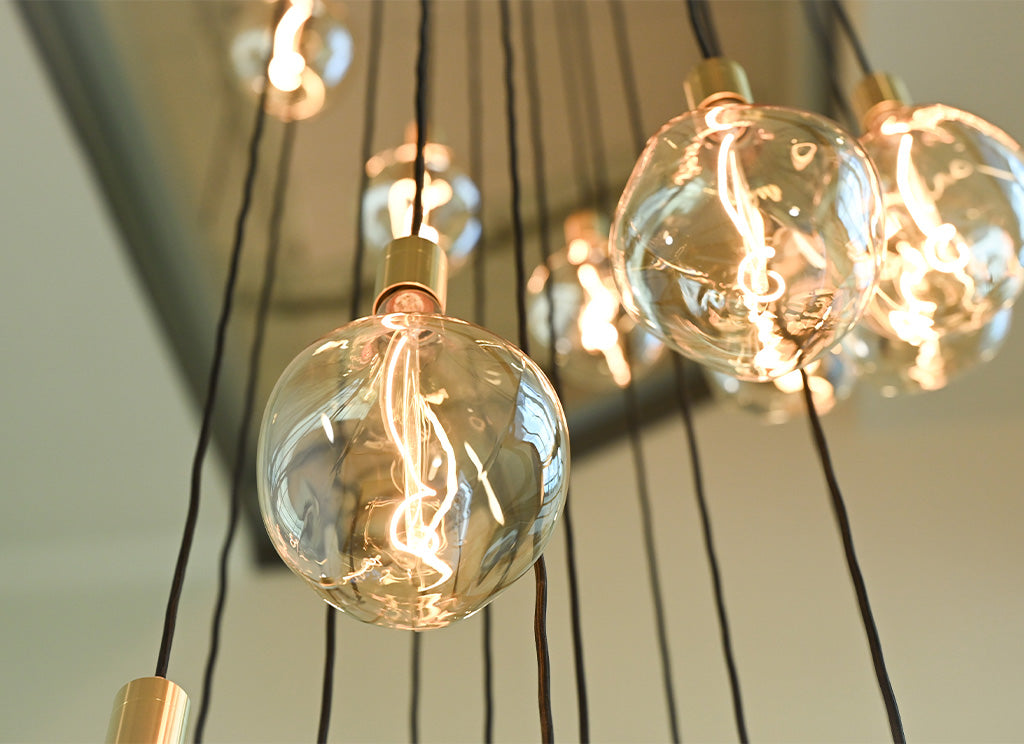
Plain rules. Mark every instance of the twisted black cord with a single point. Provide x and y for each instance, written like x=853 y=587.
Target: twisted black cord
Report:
x=327 y=689
x=819 y=29
x=851 y=34
x=540 y=572
x=421 y=114
x=488 y=654
x=245 y=423
x=213 y=382
x=703 y=28
x=546 y=252
x=414 y=689
x=843 y=521
x=366 y=148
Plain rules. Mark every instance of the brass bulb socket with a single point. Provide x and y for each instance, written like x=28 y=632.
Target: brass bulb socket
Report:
x=413 y=263
x=715 y=81
x=150 y=710
x=877 y=95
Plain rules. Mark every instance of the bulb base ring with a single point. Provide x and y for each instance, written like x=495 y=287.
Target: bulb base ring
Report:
x=153 y=710
x=876 y=95
x=413 y=263
x=715 y=81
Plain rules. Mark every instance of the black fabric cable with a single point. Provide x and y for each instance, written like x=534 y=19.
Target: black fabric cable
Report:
x=539 y=568
x=820 y=30
x=475 y=160
x=245 y=423
x=369 y=124
x=843 y=522
x=544 y=229
x=703 y=29
x=851 y=34
x=683 y=399
x=212 y=385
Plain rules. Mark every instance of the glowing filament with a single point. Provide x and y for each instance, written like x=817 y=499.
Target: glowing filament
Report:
x=401 y=197
x=410 y=420
x=598 y=332
x=287 y=63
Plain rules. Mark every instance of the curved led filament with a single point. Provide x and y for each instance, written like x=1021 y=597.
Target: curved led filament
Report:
x=436 y=193
x=598 y=332
x=410 y=421
x=758 y=284
x=287 y=64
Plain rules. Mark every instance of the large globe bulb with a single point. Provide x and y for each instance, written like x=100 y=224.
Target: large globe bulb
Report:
x=954 y=194
x=749 y=237
x=411 y=467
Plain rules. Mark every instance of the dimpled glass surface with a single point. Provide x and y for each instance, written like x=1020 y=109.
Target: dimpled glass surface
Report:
x=749 y=237
x=411 y=467
x=954 y=193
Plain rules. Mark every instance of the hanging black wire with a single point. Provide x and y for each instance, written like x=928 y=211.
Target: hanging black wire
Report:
x=475 y=160
x=414 y=689
x=245 y=422
x=682 y=393
x=373 y=46
x=820 y=30
x=843 y=521
x=703 y=28
x=851 y=34
x=422 y=76
x=540 y=570
x=588 y=79
x=327 y=688
x=212 y=385
x=546 y=251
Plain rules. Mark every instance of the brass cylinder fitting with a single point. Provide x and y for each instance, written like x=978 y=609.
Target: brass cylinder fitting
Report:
x=413 y=263
x=876 y=95
x=715 y=81
x=149 y=710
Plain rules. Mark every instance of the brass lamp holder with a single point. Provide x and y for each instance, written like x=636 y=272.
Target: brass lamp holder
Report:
x=413 y=277
x=878 y=95
x=716 y=81
x=149 y=710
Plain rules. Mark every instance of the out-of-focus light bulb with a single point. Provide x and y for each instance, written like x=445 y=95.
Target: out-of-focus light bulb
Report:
x=451 y=201
x=411 y=465
x=831 y=378
x=953 y=187
x=897 y=367
x=591 y=329
x=309 y=52
x=748 y=237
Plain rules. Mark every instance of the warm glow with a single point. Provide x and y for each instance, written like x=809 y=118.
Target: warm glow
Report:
x=409 y=420
x=402 y=195
x=287 y=63
x=598 y=332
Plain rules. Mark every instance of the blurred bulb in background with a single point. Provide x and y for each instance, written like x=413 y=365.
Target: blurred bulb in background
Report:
x=451 y=201
x=898 y=367
x=748 y=237
x=309 y=52
x=591 y=329
x=832 y=378
x=953 y=187
x=411 y=465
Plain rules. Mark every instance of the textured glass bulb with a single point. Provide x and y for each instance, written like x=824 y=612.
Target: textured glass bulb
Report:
x=590 y=327
x=451 y=201
x=831 y=378
x=749 y=237
x=896 y=367
x=411 y=467
x=309 y=52
x=954 y=194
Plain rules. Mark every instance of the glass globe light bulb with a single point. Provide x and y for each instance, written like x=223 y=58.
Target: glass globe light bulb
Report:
x=309 y=52
x=897 y=367
x=748 y=237
x=831 y=378
x=953 y=187
x=451 y=201
x=591 y=329
x=411 y=465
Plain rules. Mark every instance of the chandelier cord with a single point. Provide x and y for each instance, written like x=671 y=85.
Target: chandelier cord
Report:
x=245 y=421
x=212 y=385
x=475 y=160
x=591 y=103
x=414 y=689
x=631 y=95
x=422 y=75
x=373 y=55
x=703 y=28
x=327 y=688
x=819 y=29
x=843 y=521
x=851 y=34
x=534 y=102
x=540 y=571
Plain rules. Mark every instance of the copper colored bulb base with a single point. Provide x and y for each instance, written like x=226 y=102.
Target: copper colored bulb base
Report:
x=149 y=710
